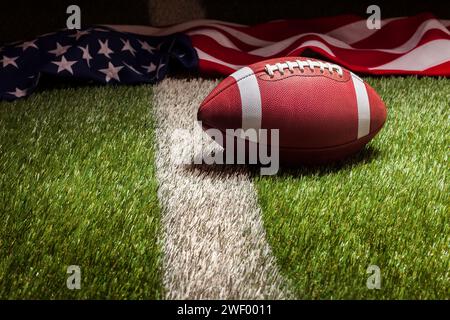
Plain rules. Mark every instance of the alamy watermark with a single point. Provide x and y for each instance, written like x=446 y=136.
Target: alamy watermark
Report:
x=374 y=20
x=73 y=281
x=232 y=146
x=74 y=20
x=374 y=280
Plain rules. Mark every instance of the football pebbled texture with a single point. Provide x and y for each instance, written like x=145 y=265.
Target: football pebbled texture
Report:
x=323 y=112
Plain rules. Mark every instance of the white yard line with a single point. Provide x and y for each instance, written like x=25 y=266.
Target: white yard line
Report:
x=214 y=240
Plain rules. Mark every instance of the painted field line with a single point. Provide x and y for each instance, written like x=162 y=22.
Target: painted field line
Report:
x=214 y=241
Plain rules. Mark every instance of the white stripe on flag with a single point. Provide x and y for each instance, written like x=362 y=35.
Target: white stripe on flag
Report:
x=154 y=31
x=250 y=98
x=446 y=23
x=206 y=57
x=362 y=101
x=356 y=31
x=278 y=47
x=215 y=35
x=426 y=56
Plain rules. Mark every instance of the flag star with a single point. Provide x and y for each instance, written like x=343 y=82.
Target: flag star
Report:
x=60 y=50
x=28 y=44
x=132 y=68
x=78 y=34
x=9 y=61
x=128 y=47
x=104 y=49
x=86 y=55
x=18 y=93
x=112 y=72
x=150 y=68
x=146 y=46
x=159 y=68
x=64 y=65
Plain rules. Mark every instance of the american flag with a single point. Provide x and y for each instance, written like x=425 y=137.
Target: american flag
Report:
x=418 y=45
x=98 y=54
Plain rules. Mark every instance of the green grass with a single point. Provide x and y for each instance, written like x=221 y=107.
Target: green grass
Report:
x=388 y=206
x=78 y=187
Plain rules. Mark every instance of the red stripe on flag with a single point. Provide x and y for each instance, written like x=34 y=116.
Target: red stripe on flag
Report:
x=399 y=37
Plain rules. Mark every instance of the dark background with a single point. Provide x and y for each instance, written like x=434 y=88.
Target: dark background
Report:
x=254 y=11
x=24 y=19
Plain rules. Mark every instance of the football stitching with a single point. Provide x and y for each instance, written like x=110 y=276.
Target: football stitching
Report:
x=259 y=75
x=303 y=75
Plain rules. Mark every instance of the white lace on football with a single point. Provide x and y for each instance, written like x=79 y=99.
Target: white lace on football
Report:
x=290 y=65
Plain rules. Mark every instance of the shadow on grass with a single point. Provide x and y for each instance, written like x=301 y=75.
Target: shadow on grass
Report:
x=365 y=156
x=48 y=83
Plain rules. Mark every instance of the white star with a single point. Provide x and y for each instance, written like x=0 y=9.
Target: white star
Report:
x=28 y=44
x=19 y=93
x=9 y=61
x=60 y=50
x=146 y=46
x=132 y=68
x=159 y=68
x=127 y=47
x=86 y=55
x=104 y=49
x=64 y=65
x=150 y=68
x=111 y=72
x=78 y=34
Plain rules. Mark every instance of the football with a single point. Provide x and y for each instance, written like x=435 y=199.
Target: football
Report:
x=322 y=111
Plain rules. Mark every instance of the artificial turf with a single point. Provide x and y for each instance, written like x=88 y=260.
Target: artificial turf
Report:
x=78 y=187
x=387 y=206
